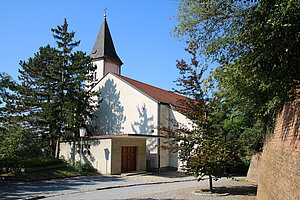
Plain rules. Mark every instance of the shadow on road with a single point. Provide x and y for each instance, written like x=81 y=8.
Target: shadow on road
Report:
x=20 y=189
x=234 y=190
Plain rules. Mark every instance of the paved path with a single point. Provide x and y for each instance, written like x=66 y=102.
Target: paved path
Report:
x=149 y=192
x=56 y=187
x=143 y=186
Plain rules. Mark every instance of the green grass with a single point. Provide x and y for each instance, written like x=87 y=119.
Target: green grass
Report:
x=29 y=162
x=65 y=169
x=63 y=172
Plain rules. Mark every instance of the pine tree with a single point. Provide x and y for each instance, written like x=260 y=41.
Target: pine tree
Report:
x=53 y=92
x=74 y=67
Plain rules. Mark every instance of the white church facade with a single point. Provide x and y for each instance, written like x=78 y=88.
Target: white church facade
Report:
x=126 y=135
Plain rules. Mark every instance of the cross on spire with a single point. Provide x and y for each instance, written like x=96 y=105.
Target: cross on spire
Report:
x=105 y=12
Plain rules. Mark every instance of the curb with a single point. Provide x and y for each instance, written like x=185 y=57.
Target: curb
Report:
x=147 y=183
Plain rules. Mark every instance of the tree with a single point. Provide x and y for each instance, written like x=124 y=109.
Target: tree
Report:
x=15 y=140
x=75 y=96
x=38 y=95
x=53 y=92
x=205 y=149
x=256 y=44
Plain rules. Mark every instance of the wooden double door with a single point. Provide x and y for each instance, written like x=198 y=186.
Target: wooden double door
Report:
x=128 y=162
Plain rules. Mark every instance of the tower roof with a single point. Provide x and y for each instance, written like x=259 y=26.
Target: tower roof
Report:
x=104 y=46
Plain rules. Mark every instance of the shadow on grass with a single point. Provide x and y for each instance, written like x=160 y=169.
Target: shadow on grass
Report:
x=233 y=190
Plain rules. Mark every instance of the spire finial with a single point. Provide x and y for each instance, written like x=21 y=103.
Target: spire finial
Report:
x=105 y=12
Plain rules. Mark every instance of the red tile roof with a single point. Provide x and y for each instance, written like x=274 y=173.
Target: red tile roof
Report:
x=158 y=94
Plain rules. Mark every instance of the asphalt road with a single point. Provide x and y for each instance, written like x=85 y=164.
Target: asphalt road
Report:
x=147 y=187
x=153 y=191
x=58 y=187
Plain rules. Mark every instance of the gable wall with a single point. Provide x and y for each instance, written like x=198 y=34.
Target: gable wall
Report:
x=124 y=109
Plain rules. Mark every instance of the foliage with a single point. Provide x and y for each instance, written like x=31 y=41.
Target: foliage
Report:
x=14 y=142
x=52 y=96
x=21 y=162
x=204 y=149
x=256 y=44
x=7 y=99
x=6 y=83
x=242 y=128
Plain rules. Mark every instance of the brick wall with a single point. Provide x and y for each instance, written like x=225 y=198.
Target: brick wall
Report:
x=279 y=175
x=253 y=171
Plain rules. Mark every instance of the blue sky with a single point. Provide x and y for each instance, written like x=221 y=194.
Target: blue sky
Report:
x=141 y=30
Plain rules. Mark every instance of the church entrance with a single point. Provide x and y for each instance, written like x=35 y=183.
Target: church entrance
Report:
x=128 y=161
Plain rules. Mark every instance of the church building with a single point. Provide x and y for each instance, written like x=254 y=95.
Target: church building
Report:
x=126 y=136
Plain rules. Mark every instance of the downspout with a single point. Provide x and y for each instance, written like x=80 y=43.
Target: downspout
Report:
x=158 y=140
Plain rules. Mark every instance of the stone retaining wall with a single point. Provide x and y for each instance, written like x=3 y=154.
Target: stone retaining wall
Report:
x=279 y=174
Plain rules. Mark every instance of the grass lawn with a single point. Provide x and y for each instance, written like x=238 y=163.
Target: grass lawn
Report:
x=42 y=169
x=63 y=172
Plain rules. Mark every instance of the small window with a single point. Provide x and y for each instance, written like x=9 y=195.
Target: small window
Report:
x=95 y=75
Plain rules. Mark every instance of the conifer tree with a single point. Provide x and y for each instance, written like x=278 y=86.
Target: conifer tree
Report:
x=53 y=91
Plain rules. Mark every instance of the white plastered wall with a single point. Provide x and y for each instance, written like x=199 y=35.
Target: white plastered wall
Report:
x=100 y=69
x=182 y=120
x=103 y=67
x=123 y=109
x=164 y=118
x=169 y=118
x=95 y=152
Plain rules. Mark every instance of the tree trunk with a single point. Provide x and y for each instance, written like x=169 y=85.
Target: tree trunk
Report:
x=52 y=147
x=58 y=146
x=210 y=184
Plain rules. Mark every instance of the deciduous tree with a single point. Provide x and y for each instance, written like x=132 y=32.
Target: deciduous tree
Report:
x=204 y=149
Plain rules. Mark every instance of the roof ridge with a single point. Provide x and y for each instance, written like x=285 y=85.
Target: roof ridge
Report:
x=148 y=84
x=154 y=92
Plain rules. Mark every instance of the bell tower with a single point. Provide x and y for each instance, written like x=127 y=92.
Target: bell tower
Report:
x=104 y=56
